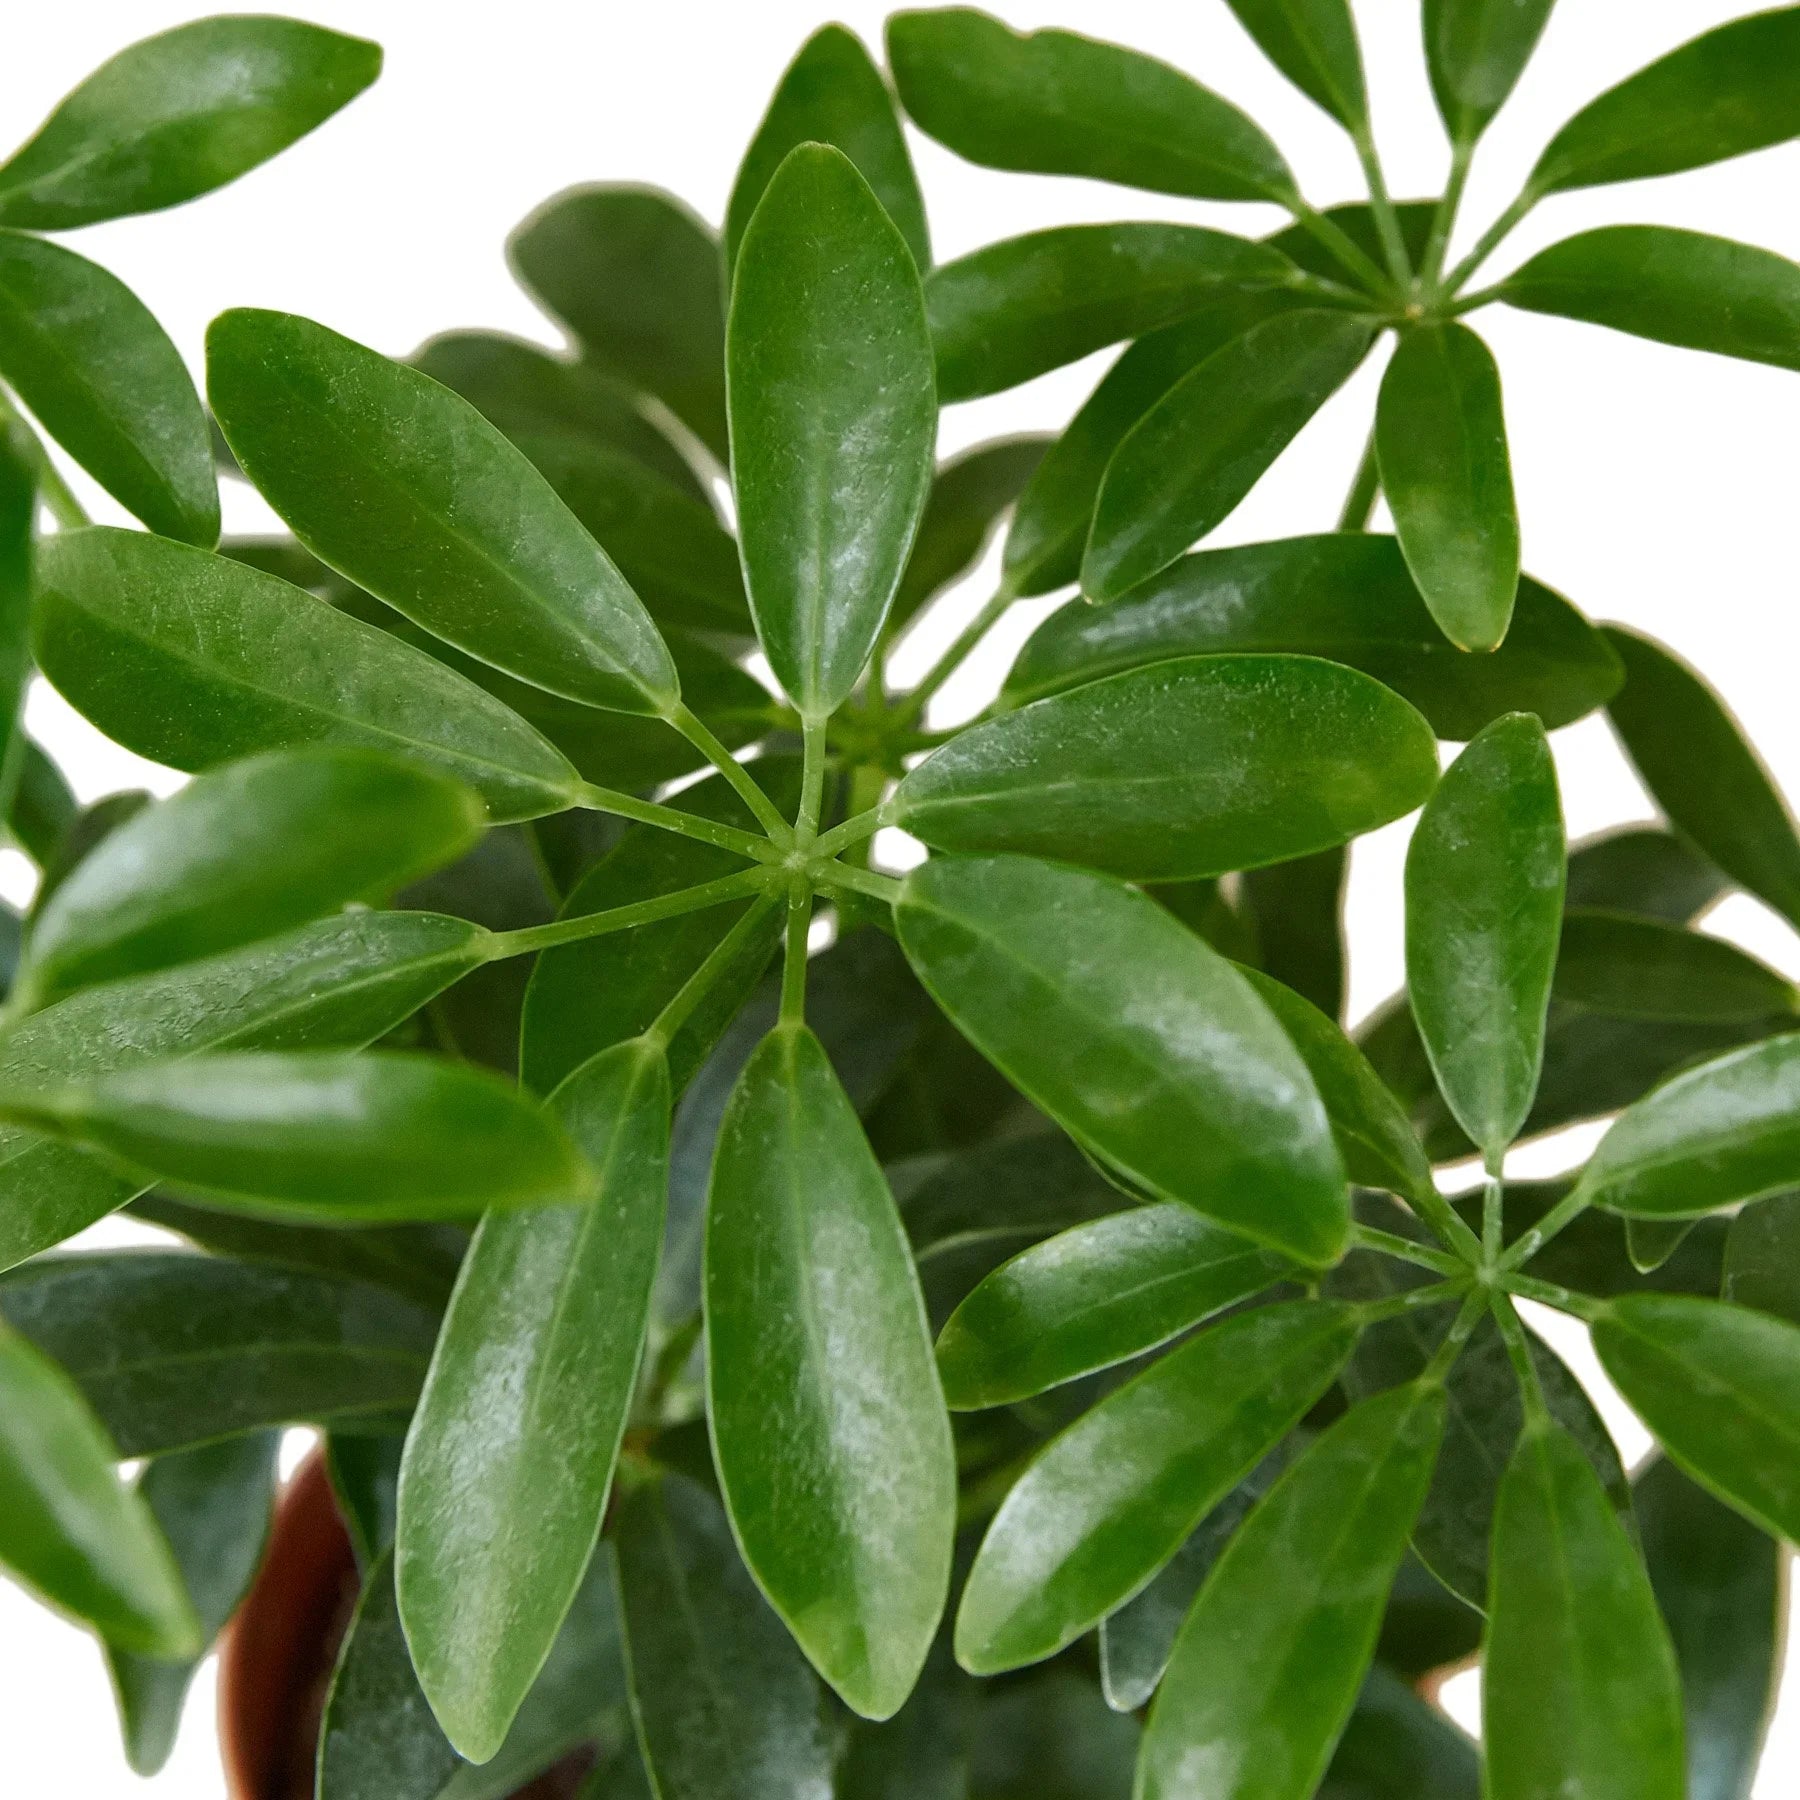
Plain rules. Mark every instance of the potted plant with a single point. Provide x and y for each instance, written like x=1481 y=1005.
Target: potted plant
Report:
x=780 y=1326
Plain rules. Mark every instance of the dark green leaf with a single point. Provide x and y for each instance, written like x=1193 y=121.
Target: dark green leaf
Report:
x=193 y=660
x=1441 y=437
x=1188 y=462
x=1110 y=1501
x=1093 y=1296
x=1313 y=43
x=1720 y=94
x=1356 y=220
x=1762 y=1258
x=1347 y=597
x=1651 y=1242
x=405 y=488
x=70 y=1530
x=364 y=1468
x=922 y=1752
x=510 y=1456
x=19 y=459
x=1427 y=1627
x=41 y=808
x=1299 y=1588
x=179 y=114
x=1644 y=871
x=1477 y=50
x=1580 y=1693
x=100 y=373
x=1179 y=769
x=724 y=1705
x=1048 y=1736
x=831 y=93
x=813 y=1311
x=1720 y=1386
x=1296 y=911
x=635 y=279
x=1013 y=310
x=1060 y=104
x=833 y=418
x=1484 y=897
x=1642 y=968
x=1398 y=1746
x=212 y=1505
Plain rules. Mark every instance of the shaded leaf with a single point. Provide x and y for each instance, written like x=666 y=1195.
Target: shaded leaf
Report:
x=1762 y=1258
x=1642 y=968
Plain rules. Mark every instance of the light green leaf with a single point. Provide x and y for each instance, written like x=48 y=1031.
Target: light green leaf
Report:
x=1476 y=51
x=1313 y=43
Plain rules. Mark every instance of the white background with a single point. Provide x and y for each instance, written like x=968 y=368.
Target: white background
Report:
x=1657 y=487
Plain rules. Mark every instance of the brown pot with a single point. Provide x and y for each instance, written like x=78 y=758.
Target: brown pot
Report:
x=277 y=1655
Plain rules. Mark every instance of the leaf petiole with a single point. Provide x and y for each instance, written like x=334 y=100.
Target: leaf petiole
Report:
x=1397 y=1306
x=1462 y=1327
x=1491 y=240
x=1443 y=219
x=624 y=918
x=1334 y=238
x=670 y=818
x=695 y=989
x=1518 y=1348
x=1388 y=1243
x=1387 y=221
x=762 y=808
x=1529 y=1242
x=793 y=966
x=913 y=707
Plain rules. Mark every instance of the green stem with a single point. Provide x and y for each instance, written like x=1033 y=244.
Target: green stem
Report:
x=1474 y=302
x=1490 y=242
x=1444 y=1358
x=853 y=830
x=1334 y=238
x=762 y=808
x=912 y=708
x=1443 y=1218
x=1528 y=1287
x=1443 y=220
x=625 y=918
x=669 y=818
x=1493 y=1216
x=1368 y=1237
x=1387 y=221
x=1518 y=1348
x=1397 y=1306
x=793 y=967
x=1359 y=503
x=812 y=783
x=859 y=881
x=1530 y=1241
x=698 y=985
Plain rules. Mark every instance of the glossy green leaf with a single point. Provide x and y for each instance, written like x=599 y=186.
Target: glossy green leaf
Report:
x=831 y=93
x=1651 y=1242
x=70 y=1530
x=1300 y=1588
x=510 y=1457
x=813 y=1312
x=1296 y=916
x=1013 y=310
x=1484 y=896
x=723 y=1702
x=405 y=488
x=1146 y=1045
x=1580 y=1693
x=1441 y=438
x=174 y=1350
x=212 y=1505
x=1346 y=597
x=179 y=114
x=1721 y=94
x=1644 y=871
x=1313 y=43
x=41 y=807
x=127 y=622
x=1398 y=1746
x=635 y=278
x=1762 y=1258
x=1718 y=1583
x=1476 y=51
x=1111 y=1499
x=241 y=854
x=1720 y=1387
x=1678 y=287
x=1060 y=104
x=833 y=418
x=86 y=356
x=1189 y=461
x=1699 y=768
x=1092 y=1296
x=343 y=981
x=1646 y=969
x=1179 y=769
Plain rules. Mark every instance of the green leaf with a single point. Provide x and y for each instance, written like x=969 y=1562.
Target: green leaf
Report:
x=1111 y=1499
x=1718 y=1584
x=1059 y=104
x=1651 y=1242
x=322 y=1134
x=1048 y=1736
x=1644 y=871
x=405 y=488
x=1346 y=597
x=1356 y=220
x=364 y=1470
x=41 y=807
x=1200 y=449
x=723 y=1703
x=1703 y=773
x=1720 y=1387
x=1296 y=925
x=1484 y=896
x=1180 y=769
x=833 y=417
x=179 y=114
x=174 y=1350
x=1721 y=94
x=343 y=981
x=845 y=1517
x=1398 y=1746
x=1762 y=1258
x=19 y=469
x=1313 y=43
x=635 y=279
x=192 y=660
x=1146 y=1045
x=1092 y=1296
x=831 y=93
x=1645 y=969
x=1300 y=1588
x=70 y=1530
x=1441 y=438
x=1476 y=51
x=511 y=1453
x=244 y=853
x=86 y=356
x=1427 y=1627
x=1580 y=1693
x=1012 y=310
x=212 y=1505
x=1678 y=287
